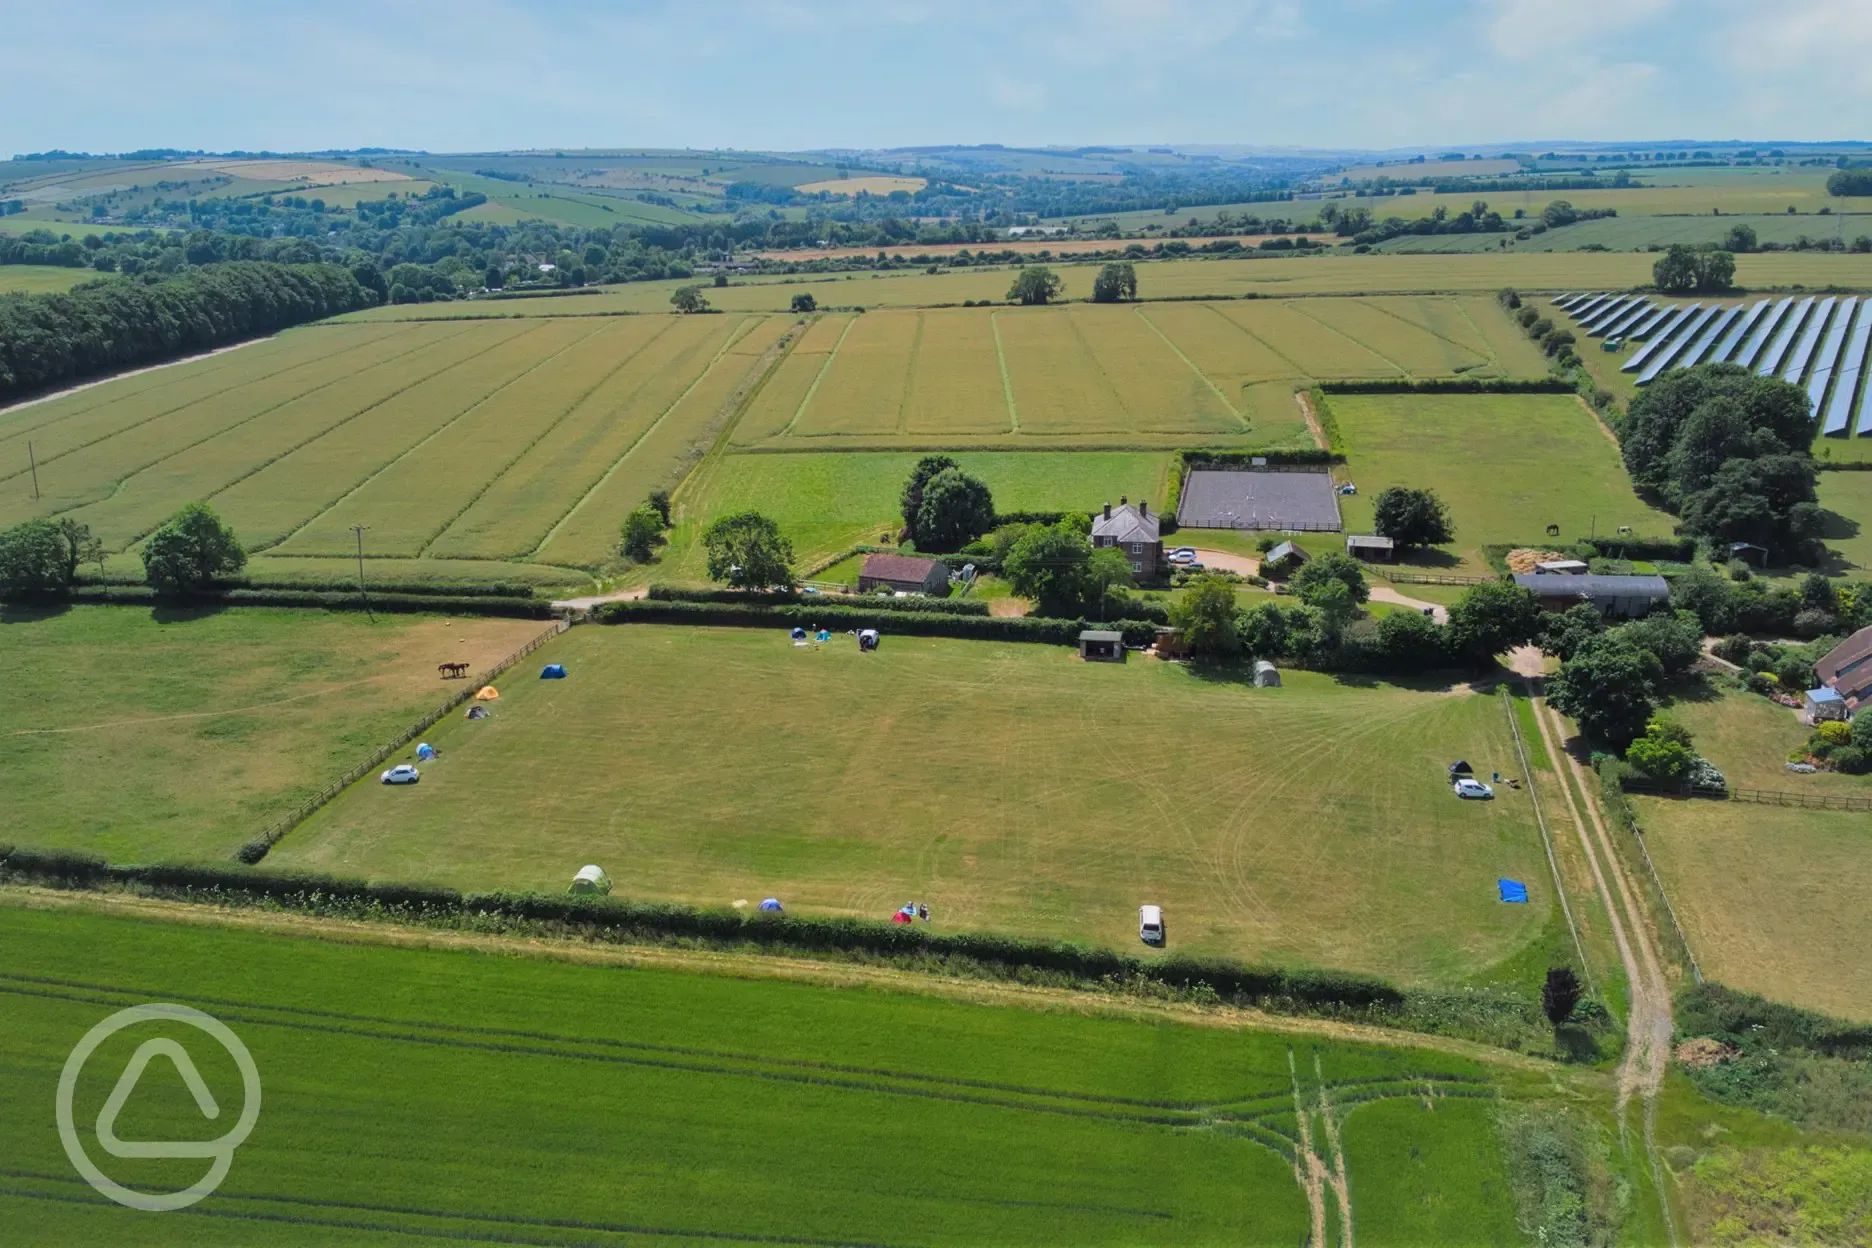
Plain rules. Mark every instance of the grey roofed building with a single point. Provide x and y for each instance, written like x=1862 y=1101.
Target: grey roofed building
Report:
x=1101 y=643
x=1283 y=553
x=1364 y=546
x=1135 y=532
x=1629 y=596
x=1847 y=668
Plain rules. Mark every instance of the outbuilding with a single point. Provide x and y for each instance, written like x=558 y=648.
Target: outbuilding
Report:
x=1818 y=705
x=1629 y=597
x=1370 y=547
x=902 y=574
x=1102 y=644
x=1266 y=675
x=1284 y=558
x=1562 y=567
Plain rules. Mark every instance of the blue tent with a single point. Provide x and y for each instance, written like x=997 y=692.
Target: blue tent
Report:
x=1512 y=890
x=425 y=751
x=772 y=904
x=799 y=634
x=552 y=671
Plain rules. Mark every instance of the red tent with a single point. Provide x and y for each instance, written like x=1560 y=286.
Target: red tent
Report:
x=900 y=917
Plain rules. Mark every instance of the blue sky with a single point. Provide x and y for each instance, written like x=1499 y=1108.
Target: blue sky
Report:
x=461 y=75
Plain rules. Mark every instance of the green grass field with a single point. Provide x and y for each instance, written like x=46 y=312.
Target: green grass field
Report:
x=39 y=279
x=1774 y=900
x=1012 y=787
x=144 y=736
x=826 y=502
x=1506 y=466
x=456 y=1096
x=1849 y=496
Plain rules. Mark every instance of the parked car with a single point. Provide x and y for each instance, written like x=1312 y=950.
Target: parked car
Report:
x=402 y=773
x=1192 y=566
x=1466 y=788
x=1150 y=925
x=1181 y=553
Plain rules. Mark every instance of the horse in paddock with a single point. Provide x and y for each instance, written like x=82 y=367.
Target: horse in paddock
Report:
x=452 y=671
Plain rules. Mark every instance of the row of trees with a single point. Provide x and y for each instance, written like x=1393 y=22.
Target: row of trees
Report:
x=189 y=553
x=1684 y=270
x=110 y=325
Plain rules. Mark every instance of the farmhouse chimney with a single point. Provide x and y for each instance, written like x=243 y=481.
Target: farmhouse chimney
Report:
x=1108 y=511
x=1143 y=509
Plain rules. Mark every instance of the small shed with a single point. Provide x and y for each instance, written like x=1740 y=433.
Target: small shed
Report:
x=1170 y=644
x=1370 y=548
x=1561 y=567
x=1266 y=675
x=1823 y=704
x=1284 y=558
x=590 y=880
x=1102 y=644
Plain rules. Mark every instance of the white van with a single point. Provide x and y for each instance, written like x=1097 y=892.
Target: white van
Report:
x=1150 y=925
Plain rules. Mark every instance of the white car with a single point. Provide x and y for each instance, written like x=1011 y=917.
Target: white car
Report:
x=1181 y=553
x=402 y=773
x=1467 y=787
x=1150 y=925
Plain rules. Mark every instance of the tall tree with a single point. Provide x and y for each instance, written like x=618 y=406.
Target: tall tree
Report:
x=191 y=551
x=910 y=502
x=1560 y=995
x=747 y=551
x=1608 y=686
x=1411 y=518
x=1330 y=568
x=1115 y=283
x=641 y=530
x=1035 y=284
x=1205 y=616
x=1491 y=618
x=689 y=299
x=1050 y=566
x=956 y=509
x=32 y=560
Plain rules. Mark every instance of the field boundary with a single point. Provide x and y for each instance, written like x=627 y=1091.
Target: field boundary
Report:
x=1007 y=382
x=257 y=848
x=1626 y=818
x=1207 y=380
x=1540 y=821
x=1759 y=797
x=818 y=377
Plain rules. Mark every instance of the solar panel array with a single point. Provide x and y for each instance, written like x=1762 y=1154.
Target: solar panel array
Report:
x=1821 y=344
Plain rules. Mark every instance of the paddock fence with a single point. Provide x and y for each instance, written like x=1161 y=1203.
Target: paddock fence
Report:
x=257 y=848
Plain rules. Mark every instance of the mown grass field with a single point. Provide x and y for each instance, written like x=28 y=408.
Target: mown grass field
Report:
x=38 y=279
x=456 y=1096
x=1011 y=787
x=1774 y=900
x=524 y=440
x=826 y=502
x=146 y=736
x=1848 y=495
x=1507 y=466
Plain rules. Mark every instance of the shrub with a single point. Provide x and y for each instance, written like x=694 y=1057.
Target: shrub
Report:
x=191 y=551
x=1849 y=759
x=1835 y=732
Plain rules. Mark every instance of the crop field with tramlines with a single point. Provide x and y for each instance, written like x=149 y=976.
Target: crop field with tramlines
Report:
x=1010 y=786
x=1157 y=374
x=498 y=440
x=614 y=1102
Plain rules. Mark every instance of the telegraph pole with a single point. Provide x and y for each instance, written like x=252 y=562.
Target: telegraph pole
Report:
x=33 y=460
x=362 y=592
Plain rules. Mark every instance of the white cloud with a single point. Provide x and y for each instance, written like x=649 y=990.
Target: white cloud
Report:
x=1530 y=29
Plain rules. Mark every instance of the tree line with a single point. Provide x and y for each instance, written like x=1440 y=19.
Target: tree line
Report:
x=113 y=324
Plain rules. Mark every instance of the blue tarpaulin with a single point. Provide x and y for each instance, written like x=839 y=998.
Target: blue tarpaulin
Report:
x=1512 y=890
x=552 y=671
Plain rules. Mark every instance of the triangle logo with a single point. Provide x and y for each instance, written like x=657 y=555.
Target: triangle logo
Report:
x=126 y=1084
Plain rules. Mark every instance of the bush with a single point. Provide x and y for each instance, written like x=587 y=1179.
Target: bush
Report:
x=191 y=551
x=1849 y=759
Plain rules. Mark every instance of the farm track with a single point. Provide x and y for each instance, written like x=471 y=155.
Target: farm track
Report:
x=68 y=391
x=825 y=366
x=1007 y=382
x=1649 y=1025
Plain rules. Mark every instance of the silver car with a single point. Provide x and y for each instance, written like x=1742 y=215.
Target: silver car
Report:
x=402 y=773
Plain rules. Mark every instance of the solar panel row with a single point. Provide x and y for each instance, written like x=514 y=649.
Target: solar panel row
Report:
x=1680 y=341
x=1803 y=351
x=1738 y=329
x=1764 y=330
x=1679 y=317
x=1846 y=381
x=1829 y=355
x=1777 y=352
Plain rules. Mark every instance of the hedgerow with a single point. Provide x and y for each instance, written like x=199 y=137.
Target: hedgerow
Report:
x=783 y=597
x=842 y=619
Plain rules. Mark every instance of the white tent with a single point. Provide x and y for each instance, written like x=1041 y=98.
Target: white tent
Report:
x=590 y=879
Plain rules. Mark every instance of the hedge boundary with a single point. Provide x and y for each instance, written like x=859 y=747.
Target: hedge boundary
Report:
x=446 y=589
x=446 y=604
x=611 y=918
x=786 y=597
x=841 y=619
x=1451 y=385
x=257 y=848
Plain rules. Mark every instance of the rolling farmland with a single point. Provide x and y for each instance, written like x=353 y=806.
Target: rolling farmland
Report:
x=483 y=440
